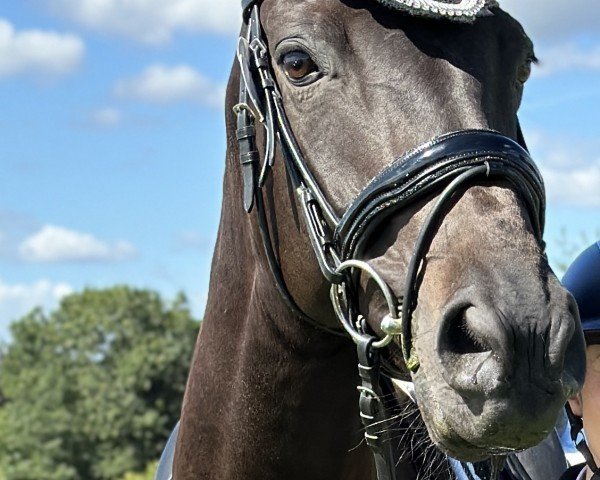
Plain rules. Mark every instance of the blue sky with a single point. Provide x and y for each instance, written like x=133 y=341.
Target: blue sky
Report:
x=112 y=139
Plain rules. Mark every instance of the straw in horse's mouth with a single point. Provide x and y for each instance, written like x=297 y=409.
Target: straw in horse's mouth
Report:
x=408 y=388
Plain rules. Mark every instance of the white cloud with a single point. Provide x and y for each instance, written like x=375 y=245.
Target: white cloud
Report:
x=545 y=19
x=198 y=301
x=17 y=300
x=567 y=57
x=164 y=84
x=555 y=27
x=3 y=243
x=575 y=186
x=571 y=176
x=105 y=117
x=153 y=21
x=192 y=240
x=56 y=244
x=37 y=51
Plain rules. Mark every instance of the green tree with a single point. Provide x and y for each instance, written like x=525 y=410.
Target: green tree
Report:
x=147 y=474
x=567 y=246
x=93 y=389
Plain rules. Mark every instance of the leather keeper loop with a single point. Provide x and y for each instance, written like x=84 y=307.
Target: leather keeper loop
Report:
x=262 y=62
x=268 y=83
x=248 y=158
x=246 y=132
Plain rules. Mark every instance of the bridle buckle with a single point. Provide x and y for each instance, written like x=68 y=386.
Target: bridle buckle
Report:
x=244 y=107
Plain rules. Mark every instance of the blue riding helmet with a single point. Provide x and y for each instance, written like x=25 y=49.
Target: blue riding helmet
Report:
x=583 y=281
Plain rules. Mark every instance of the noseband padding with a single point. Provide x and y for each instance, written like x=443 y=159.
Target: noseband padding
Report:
x=426 y=169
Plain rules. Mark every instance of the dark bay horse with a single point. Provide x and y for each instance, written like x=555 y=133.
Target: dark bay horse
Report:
x=489 y=338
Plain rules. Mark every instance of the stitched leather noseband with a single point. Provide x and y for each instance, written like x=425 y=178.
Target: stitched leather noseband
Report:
x=447 y=164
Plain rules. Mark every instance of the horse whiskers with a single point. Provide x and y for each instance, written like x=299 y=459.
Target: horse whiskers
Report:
x=415 y=446
x=415 y=420
x=432 y=456
x=406 y=431
x=398 y=432
x=357 y=446
x=405 y=410
x=385 y=420
x=412 y=438
x=405 y=407
x=409 y=409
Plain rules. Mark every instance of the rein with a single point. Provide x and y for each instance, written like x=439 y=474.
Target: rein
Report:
x=447 y=163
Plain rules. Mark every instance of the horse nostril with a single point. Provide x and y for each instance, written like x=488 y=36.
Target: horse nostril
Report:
x=471 y=351
x=460 y=338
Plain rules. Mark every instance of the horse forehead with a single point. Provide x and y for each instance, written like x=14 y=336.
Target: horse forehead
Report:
x=345 y=17
x=312 y=6
x=285 y=11
x=335 y=22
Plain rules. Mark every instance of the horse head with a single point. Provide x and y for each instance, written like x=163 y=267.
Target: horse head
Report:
x=493 y=344
x=377 y=188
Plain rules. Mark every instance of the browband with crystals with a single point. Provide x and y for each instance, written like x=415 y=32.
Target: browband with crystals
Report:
x=465 y=10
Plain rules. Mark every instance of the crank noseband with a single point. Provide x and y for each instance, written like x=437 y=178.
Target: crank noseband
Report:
x=428 y=168
x=449 y=163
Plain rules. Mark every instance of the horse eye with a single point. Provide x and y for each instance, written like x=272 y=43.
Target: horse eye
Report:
x=524 y=72
x=298 y=65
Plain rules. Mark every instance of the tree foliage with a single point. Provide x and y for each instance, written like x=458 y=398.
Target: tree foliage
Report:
x=147 y=474
x=568 y=245
x=93 y=389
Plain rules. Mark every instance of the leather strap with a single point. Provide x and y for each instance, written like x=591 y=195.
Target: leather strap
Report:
x=373 y=411
x=248 y=154
x=248 y=4
x=580 y=443
x=260 y=100
x=421 y=171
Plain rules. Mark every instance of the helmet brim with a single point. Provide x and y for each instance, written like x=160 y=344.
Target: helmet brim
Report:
x=592 y=338
x=591 y=330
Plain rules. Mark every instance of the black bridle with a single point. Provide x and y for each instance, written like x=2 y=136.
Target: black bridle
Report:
x=580 y=442
x=445 y=164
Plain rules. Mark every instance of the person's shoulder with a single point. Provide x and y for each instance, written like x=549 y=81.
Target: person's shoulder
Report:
x=573 y=472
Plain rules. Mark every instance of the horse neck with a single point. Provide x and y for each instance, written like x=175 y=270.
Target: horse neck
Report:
x=268 y=396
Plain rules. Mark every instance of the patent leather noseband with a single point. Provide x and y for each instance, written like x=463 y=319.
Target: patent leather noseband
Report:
x=444 y=166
